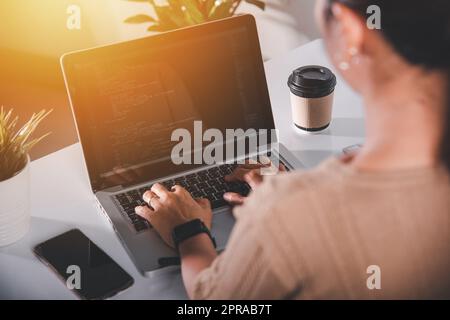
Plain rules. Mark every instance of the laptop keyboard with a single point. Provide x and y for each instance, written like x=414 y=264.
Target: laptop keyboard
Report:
x=209 y=184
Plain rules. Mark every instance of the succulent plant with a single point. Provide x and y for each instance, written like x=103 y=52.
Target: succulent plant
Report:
x=16 y=144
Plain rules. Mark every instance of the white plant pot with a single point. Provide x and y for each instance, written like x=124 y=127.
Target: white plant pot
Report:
x=15 y=207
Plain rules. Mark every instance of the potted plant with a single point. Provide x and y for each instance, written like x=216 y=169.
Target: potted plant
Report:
x=14 y=174
x=182 y=13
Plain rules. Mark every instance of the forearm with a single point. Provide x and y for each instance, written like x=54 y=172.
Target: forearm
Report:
x=197 y=254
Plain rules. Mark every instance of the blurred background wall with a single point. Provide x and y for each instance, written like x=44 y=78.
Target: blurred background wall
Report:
x=33 y=35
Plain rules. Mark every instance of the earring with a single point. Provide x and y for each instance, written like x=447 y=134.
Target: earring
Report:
x=353 y=51
x=354 y=55
x=344 y=66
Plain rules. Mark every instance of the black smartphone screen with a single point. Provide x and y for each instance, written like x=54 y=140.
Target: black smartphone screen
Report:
x=83 y=266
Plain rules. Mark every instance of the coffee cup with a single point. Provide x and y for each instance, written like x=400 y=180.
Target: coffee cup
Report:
x=312 y=95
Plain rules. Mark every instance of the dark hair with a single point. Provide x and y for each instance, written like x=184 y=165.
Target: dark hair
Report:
x=419 y=31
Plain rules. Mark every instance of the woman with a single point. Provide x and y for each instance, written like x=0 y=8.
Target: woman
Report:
x=386 y=209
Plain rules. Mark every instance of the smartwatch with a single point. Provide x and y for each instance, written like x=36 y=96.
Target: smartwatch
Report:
x=188 y=230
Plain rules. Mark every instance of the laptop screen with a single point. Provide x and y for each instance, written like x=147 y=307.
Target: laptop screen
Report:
x=129 y=98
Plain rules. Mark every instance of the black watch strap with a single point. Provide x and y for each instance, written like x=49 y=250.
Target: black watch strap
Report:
x=188 y=230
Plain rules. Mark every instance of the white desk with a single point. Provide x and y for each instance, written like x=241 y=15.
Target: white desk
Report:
x=61 y=199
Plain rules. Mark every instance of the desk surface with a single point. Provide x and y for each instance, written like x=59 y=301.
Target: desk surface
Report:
x=61 y=199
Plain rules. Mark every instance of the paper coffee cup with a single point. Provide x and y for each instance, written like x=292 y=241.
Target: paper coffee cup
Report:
x=312 y=95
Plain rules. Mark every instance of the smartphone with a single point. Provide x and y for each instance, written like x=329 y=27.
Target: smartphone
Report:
x=85 y=269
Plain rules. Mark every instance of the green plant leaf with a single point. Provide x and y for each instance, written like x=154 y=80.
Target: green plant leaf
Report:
x=223 y=10
x=159 y=28
x=168 y=18
x=208 y=6
x=205 y=6
x=140 y=18
x=192 y=9
x=177 y=14
x=15 y=145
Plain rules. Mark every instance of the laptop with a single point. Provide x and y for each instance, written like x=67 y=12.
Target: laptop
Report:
x=129 y=98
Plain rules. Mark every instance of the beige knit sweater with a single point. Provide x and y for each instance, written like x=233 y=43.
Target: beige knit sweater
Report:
x=313 y=235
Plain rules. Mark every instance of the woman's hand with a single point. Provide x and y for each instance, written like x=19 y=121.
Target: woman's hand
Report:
x=251 y=174
x=169 y=209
